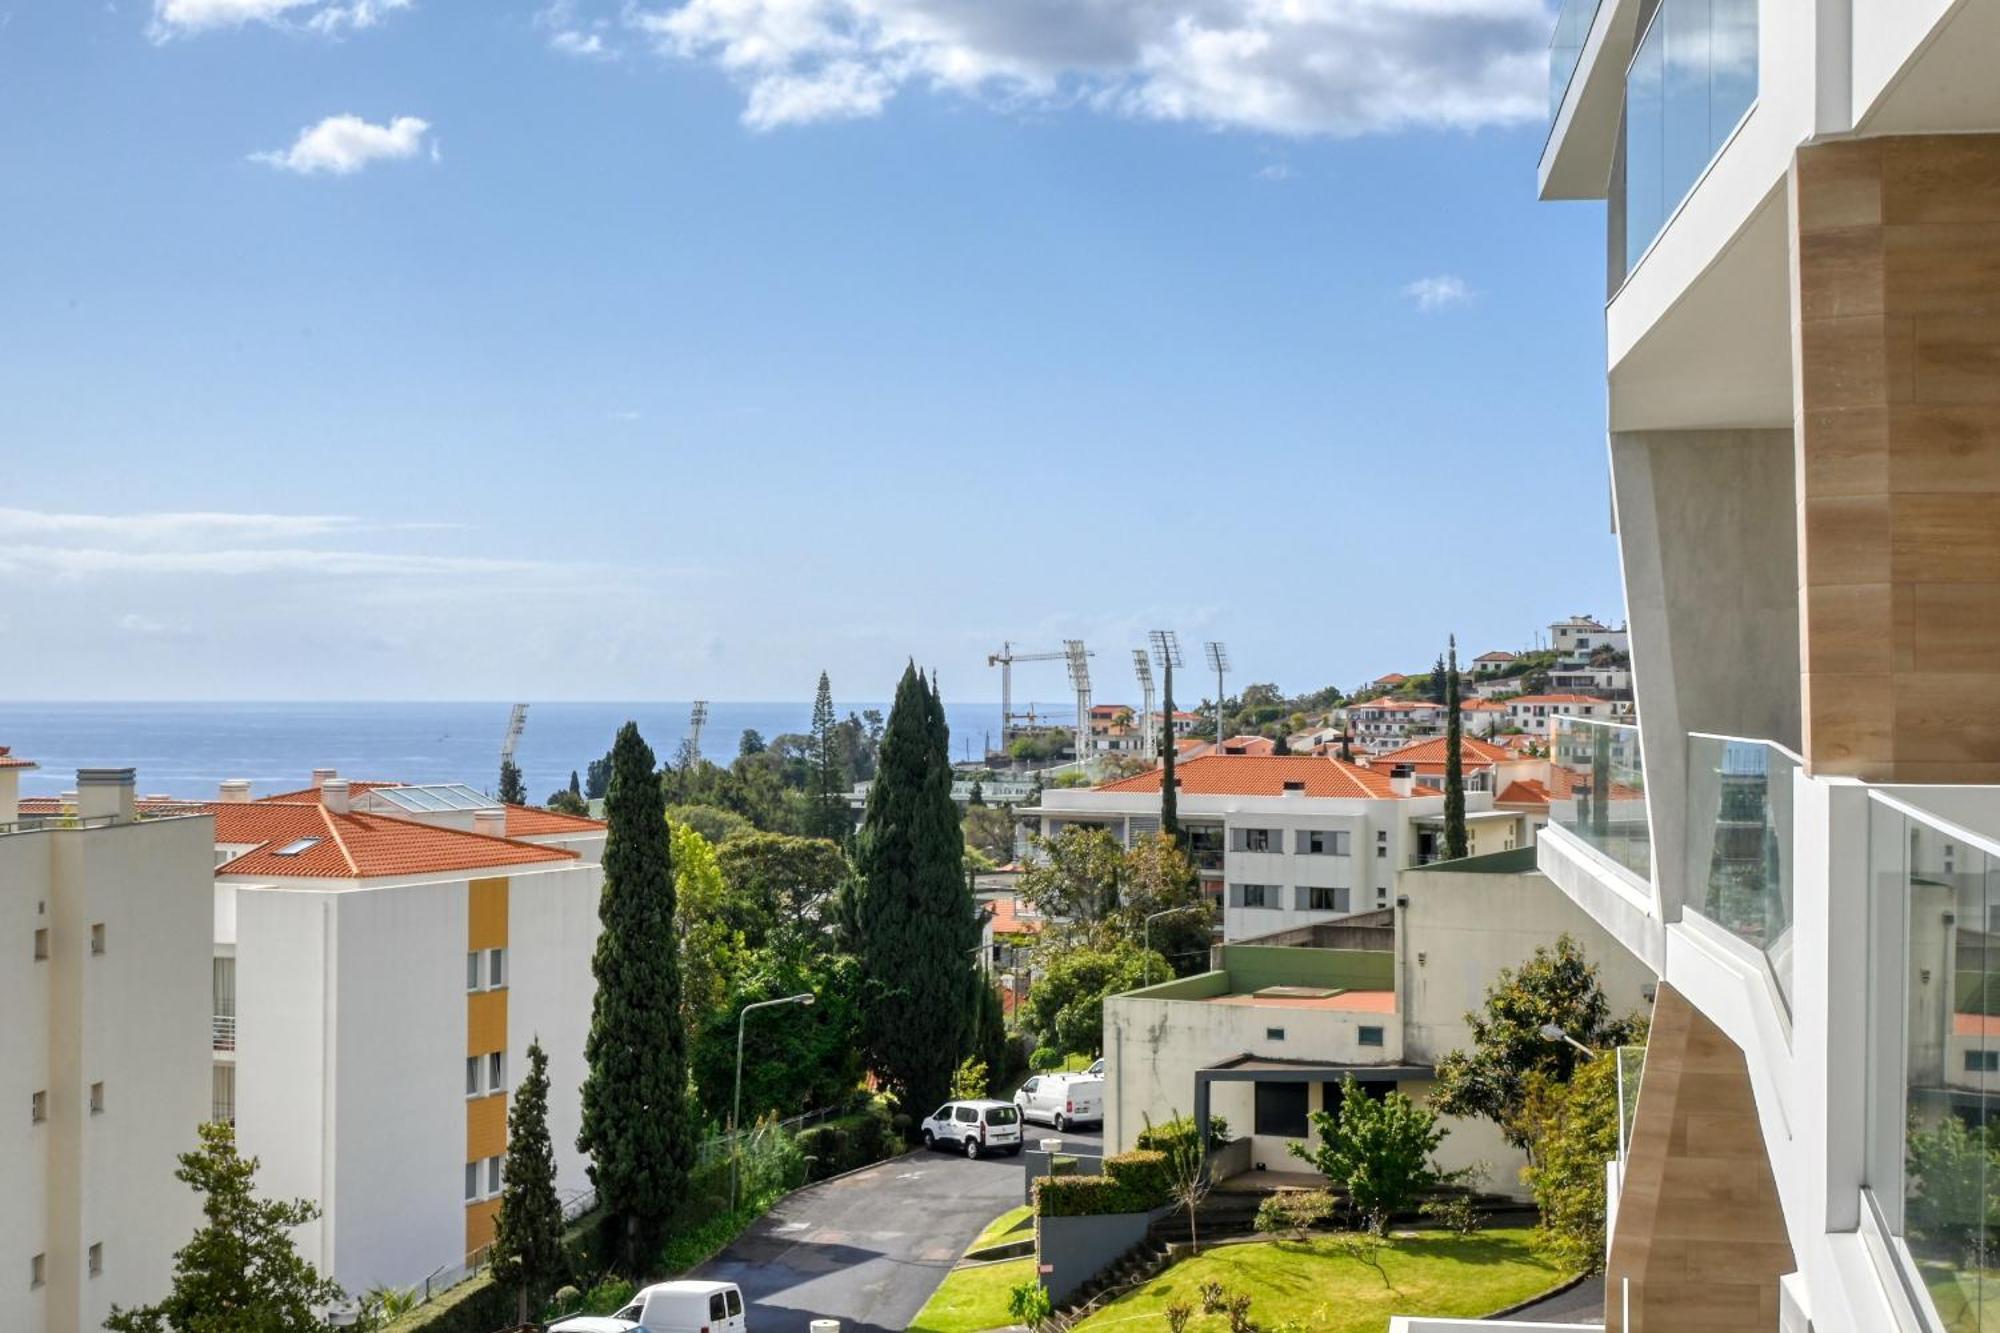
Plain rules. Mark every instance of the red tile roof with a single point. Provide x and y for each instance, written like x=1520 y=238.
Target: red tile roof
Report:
x=9 y=760
x=355 y=786
x=1472 y=752
x=1265 y=775
x=1523 y=791
x=1555 y=699
x=532 y=821
x=1398 y=705
x=1008 y=919
x=359 y=846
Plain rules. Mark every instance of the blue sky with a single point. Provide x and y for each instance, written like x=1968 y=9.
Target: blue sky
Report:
x=673 y=348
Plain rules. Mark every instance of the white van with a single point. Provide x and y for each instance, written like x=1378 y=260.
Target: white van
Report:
x=669 y=1307
x=974 y=1127
x=1062 y=1100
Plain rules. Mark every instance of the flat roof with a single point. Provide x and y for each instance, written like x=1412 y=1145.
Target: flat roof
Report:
x=1300 y=997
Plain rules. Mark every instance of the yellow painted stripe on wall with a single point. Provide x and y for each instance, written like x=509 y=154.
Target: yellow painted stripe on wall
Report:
x=479 y=1221
x=485 y=1022
x=485 y=1127
x=486 y=913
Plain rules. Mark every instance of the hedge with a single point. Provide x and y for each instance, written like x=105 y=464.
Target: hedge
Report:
x=475 y=1306
x=1083 y=1196
x=1143 y=1173
x=1170 y=1132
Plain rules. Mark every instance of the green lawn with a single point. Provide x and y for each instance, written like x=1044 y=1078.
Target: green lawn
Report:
x=973 y=1298
x=1014 y=1224
x=1966 y=1300
x=1316 y=1286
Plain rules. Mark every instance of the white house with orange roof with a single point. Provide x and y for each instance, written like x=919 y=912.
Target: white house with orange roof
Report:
x=1532 y=712
x=1278 y=840
x=383 y=955
x=1385 y=723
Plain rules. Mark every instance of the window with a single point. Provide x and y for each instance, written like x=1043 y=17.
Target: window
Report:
x=1982 y=1062
x=1327 y=900
x=718 y=1309
x=1323 y=842
x=97 y=938
x=965 y=1115
x=1274 y=1034
x=222 y=1094
x=1381 y=844
x=472 y=1088
x=496 y=968
x=471 y=1181
x=97 y=1099
x=493 y=1174
x=38 y=1270
x=496 y=1072
x=38 y=1108
x=297 y=847
x=1251 y=895
x=97 y=1259
x=1281 y=1109
x=41 y=944
x=735 y=1302
x=472 y=970
x=1371 y=1036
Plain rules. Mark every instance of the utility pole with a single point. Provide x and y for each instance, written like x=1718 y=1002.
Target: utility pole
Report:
x=1079 y=679
x=1149 y=736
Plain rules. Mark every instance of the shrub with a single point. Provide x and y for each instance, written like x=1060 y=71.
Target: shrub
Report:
x=1456 y=1213
x=1238 y=1307
x=1082 y=1196
x=1575 y=1129
x=1213 y=1296
x=970 y=1080
x=1045 y=1058
x=1168 y=1132
x=1143 y=1173
x=478 y=1306
x=1296 y=1212
x=1178 y=1315
x=1029 y=1303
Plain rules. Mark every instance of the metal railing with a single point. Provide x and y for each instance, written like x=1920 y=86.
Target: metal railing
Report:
x=222 y=1032
x=1739 y=842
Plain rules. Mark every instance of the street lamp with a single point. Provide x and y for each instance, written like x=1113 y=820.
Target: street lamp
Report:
x=1552 y=1032
x=736 y=1107
x=1170 y=911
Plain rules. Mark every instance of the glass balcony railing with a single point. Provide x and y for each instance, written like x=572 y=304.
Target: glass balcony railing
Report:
x=1573 y=22
x=1739 y=832
x=1934 y=1126
x=1692 y=79
x=1598 y=789
x=1631 y=1065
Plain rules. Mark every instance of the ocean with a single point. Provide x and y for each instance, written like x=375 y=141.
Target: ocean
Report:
x=185 y=749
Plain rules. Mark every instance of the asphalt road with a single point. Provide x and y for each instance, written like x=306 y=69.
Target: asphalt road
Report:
x=867 y=1249
x=1581 y=1304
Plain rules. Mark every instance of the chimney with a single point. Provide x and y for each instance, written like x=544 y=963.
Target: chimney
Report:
x=105 y=793
x=1402 y=779
x=1295 y=787
x=492 y=823
x=321 y=776
x=235 y=791
x=332 y=791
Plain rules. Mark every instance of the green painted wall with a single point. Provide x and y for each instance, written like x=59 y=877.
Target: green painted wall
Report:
x=1201 y=986
x=1252 y=967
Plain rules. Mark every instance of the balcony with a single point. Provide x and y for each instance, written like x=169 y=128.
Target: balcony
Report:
x=222 y=1032
x=1739 y=844
x=1573 y=22
x=1598 y=789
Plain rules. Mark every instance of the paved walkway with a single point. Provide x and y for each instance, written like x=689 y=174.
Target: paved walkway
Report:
x=1581 y=1304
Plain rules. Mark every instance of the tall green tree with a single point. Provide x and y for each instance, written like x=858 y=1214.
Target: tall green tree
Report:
x=512 y=790
x=241 y=1273
x=527 y=1252
x=575 y=787
x=824 y=754
x=1575 y=1128
x=1438 y=685
x=1557 y=985
x=1378 y=1153
x=637 y=1126
x=908 y=917
x=1454 y=761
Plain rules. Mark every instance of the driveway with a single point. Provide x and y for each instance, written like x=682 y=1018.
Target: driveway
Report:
x=867 y=1249
x=1581 y=1304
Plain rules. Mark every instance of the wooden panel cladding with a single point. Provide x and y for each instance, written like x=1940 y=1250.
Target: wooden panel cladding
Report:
x=485 y=1127
x=1896 y=249
x=486 y=913
x=485 y=1022
x=479 y=1223
x=1700 y=1239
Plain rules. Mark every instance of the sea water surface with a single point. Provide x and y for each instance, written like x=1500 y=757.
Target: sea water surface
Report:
x=185 y=749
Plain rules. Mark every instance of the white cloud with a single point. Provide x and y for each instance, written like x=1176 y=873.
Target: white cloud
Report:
x=344 y=144
x=1439 y=292
x=1295 y=67
x=171 y=528
x=78 y=562
x=572 y=35
x=329 y=17
x=1276 y=171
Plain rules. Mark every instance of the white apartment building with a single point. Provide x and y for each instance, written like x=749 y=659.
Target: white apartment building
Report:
x=1532 y=712
x=382 y=956
x=1385 y=723
x=104 y=991
x=1803 y=375
x=1576 y=638
x=1279 y=840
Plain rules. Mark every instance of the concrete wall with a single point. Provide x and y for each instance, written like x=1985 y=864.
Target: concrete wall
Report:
x=1252 y=967
x=25 y=878
x=1076 y=1249
x=1707 y=531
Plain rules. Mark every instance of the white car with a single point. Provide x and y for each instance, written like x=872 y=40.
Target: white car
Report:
x=669 y=1307
x=974 y=1127
x=1062 y=1100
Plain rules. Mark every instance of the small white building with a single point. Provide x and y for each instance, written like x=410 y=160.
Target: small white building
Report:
x=1576 y=638
x=104 y=984
x=1531 y=712
x=1385 y=723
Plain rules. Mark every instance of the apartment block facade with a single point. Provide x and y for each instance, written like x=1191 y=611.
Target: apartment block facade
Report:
x=104 y=989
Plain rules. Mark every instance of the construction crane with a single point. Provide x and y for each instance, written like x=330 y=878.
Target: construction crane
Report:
x=1143 y=667
x=697 y=715
x=516 y=721
x=1218 y=662
x=1005 y=659
x=1079 y=680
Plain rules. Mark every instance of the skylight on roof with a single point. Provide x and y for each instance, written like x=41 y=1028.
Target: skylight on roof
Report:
x=298 y=845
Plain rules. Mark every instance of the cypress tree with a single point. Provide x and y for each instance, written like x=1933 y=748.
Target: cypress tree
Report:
x=1454 y=762
x=909 y=916
x=828 y=820
x=1346 y=748
x=527 y=1237
x=637 y=1126
x=575 y=787
x=512 y=790
x=1170 y=796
